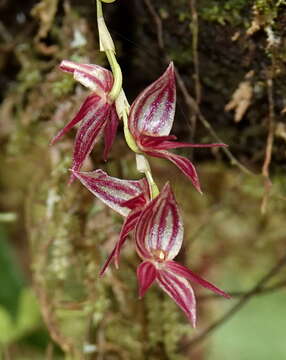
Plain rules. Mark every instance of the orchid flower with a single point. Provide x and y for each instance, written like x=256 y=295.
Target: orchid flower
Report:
x=151 y=119
x=159 y=236
x=127 y=197
x=97 y=113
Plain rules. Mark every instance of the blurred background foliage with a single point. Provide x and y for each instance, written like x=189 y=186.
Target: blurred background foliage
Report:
x=54 y=237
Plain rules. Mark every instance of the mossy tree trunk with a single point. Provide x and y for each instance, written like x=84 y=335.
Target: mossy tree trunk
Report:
x=231 y=56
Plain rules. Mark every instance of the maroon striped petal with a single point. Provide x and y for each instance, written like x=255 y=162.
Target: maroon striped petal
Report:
x=136 y=202
x=166 y=142
x=159 y=231
x=108 y=261
x=89 y=133
x=94 y=77
x=190 y=275
x=180 y=290
x=128 y=225
x=110 y=131
x=184 y=164
x=112 y=191
x=146 y=275
x=87 y=109
x=153 y=142
x=152 y=112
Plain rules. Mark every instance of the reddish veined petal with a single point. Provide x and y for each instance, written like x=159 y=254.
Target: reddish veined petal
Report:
x=146 y=275
x=160 y=227
x=136 y=202
x=128 y=225
x=112 y=191
x=184 y=164
x=107 y=262
x=89 y=133
x=92 y=76
x=153 y=142
x=166 y=142
x=110 y=131
x=152 y=112
x=87 y=107
x=190 y=275
x=180 y=290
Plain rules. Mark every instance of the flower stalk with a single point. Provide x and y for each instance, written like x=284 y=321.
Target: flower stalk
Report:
x=117 y=94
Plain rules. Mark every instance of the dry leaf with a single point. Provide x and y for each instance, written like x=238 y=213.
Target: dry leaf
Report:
x=280 y=130
x=241 y=98
x=45 y=11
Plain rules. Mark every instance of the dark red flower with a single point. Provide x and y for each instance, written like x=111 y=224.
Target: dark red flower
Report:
x=159 y=236
x=127 y=197
x=97 y=114
x=150 y=122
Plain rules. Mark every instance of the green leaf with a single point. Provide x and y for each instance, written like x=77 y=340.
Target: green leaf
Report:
x=11 y=278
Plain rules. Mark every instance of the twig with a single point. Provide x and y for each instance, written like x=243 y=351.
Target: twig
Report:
x=49 y=351
x=158 y=23
x=269 y=146
x=195 y=35
x=192 y=104
x=245 y=298
x=237 y=294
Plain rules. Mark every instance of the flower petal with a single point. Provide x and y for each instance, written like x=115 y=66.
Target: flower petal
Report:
x=152 y=112
x=166 y=142
x=89 y=133
x=190 y=275
x=94 y=77
x=112 y=191
x=184 y=164
x=87 y=107
x=128 y=225
x=180 y=290
x=136 y=202
x=110 y=131
x=146 y=275
x=160 y=227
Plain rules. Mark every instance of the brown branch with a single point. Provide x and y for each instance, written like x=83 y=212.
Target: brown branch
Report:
x=269 y=146
x=192 y=104
x=195 y=36
x=158 y=23
x=245 y=298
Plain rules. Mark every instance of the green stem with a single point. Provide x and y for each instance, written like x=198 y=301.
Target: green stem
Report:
x=117 y=75
x=113 y=95
x=153 y=187
x=99 y=8
x=128 y=137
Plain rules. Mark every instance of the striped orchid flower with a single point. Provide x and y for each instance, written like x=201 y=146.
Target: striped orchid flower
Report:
x=150 y=122
x=126 y=197
x=97 y=114
x=159 y=236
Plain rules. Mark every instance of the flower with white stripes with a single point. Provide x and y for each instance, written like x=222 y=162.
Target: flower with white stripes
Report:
x=159 y=236
x=127 y=197
x=150 y=122
x=97 y=114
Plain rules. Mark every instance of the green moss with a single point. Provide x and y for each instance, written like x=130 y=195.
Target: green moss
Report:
x=224 y=11
x=63 y=86
x=181 y=55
